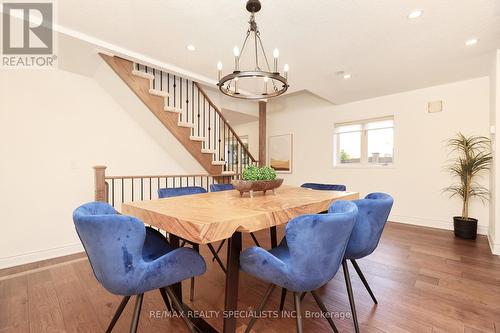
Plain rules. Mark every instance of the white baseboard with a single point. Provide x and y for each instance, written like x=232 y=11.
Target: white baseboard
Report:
x=27 y=258
x=432 y=223
x=495 y=247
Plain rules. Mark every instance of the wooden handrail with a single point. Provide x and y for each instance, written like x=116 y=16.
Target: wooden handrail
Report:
x=225 y=121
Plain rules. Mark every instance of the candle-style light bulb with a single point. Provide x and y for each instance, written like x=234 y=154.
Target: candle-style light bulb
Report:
x=219 y=68
x=266 y=79
x=276 y=54
x=236 y=52
x=286 y=68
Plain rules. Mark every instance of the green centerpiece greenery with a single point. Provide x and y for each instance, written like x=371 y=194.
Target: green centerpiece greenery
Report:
x=252 y=172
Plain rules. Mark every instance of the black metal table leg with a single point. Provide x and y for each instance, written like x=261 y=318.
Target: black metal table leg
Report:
x=200 y=324
x=274 y=237
x=177 y=287
x=232 y=281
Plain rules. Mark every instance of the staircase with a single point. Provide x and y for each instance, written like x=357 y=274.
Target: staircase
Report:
x=184 y=108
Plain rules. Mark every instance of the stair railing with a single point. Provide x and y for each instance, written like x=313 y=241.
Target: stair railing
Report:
x=208 y=124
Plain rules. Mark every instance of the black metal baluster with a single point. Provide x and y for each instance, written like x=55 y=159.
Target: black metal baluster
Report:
x=132 y=179
x=123 y=198
x=199 y=112
x=209 y=129
x=113 y=192
x=180 y=95
x=204 y=127
x=219 y=139
x=175 y=95
x=154 y=80
x=168 y=89
x=150 y=192
x=187 y=101
x=142 y=188
x=192 y=102
x=161 y=80
x=157 y=185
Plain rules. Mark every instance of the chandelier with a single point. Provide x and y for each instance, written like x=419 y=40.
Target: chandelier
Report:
x=259 y=82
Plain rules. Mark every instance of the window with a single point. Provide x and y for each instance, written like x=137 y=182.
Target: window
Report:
x=368 y=142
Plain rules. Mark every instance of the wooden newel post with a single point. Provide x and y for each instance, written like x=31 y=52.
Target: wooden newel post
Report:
x=101 y=193
x=262 y=133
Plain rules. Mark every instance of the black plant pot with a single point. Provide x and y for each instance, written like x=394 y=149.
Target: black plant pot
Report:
x=465 y=228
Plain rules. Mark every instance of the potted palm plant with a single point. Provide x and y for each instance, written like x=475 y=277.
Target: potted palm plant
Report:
x=472 y=157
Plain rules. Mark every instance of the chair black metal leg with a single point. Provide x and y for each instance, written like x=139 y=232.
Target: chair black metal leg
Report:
x=221 y=264
x=165 y=299
x=137 y=312
x=283 y=297
x=178 y=305
x=118 y=313
x=296 y=300
x=219 y=248
x=324 y=311
x=363 y=279
x=351 y=295
x=302 y=296
x=183 y=243
x=261 y=306
x=255 y=239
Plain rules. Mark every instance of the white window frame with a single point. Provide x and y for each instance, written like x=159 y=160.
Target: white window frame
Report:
x=364 y=145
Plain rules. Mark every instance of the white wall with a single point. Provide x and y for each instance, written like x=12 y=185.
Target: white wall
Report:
x=494 y=229
x=417 y=177
x=54 y=126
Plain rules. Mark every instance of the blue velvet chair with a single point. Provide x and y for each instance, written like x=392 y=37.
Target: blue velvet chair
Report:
x=227 y=187
x=179 y=191
x=324 y=187
x=373 y=212
x=190 y=190
x=307 y=258
x=129 y=259
x=221 y=187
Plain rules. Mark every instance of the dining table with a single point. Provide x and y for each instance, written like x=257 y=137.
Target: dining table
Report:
x=211 y=217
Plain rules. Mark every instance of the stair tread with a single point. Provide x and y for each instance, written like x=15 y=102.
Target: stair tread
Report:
x=228 y=173
x=218 y=162
x=185 y=124
x=197 y=138
x=143 y=74
x=172 y=109
x=157 y=92
x=208 y=151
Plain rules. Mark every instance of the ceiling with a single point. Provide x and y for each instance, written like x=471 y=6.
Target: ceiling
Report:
x=374 y=41
x=235 y=118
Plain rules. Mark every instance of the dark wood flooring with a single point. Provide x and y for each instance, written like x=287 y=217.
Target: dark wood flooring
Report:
x=425 y=281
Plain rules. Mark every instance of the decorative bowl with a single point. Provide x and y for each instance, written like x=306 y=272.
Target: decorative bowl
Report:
x=256 y=185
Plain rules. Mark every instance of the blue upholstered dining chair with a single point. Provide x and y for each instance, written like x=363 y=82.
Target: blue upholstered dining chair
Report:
x=227 y=187
x=221 y=187
x=373 y=212
x=308 y=257
x=189 y=190
x=179 y=191
x=129 y=259
x=324 y=187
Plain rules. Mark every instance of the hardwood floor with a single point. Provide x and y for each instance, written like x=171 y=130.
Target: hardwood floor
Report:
x=425 y=281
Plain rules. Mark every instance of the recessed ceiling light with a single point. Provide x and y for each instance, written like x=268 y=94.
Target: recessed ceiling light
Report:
x=190 y=47
x=415 y=14
x=472 y=41
x=347 y=76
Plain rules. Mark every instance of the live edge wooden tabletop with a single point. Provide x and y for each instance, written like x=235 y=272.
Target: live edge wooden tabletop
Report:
x=209 y=217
